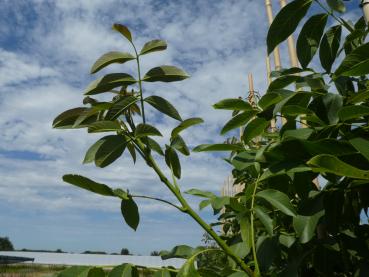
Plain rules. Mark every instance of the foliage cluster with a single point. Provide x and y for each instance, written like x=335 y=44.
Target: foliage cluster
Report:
x=283 y=223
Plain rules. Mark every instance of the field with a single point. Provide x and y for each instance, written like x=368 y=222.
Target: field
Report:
x=32 y=270
x=29 y=270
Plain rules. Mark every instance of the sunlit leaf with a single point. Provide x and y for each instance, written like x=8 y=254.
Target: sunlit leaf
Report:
x=109 y=58
x=123 y=30
x=165 y=73
x=153 y=46
x=109 y=82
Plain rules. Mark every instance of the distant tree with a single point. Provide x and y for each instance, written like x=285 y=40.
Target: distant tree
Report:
x=59 y=251
x=125 y=251
x=6 y=244
x=94 y=252
x=155 y=253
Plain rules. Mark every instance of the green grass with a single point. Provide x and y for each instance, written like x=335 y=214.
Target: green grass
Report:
x=29 y=270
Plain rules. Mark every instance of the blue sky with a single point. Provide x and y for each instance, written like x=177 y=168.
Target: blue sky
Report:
x=46 y=50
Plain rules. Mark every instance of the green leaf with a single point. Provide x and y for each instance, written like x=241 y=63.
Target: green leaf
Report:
x=109 y=82
x=163 y=106
x=172 y=160
x=179 y=144
x=120 y=106
x=91 y=152
x=294 y=110
x=109 y=58
x=238 y=121
x=143 y=130
x=124 y=270
x=329 y=47
x=204 y=203
x=245 y=228
x=287 y=240
x=165 y=73
x=279 y=200
x=232 y=104
x=309 y=38
x=68 y=118
x=162 y=273
x=361 y=145
x=201 y=193
x=305 y=226
x=152 y=144
x=356 y=63
x=104 y=126
x=284 y=168
x=180 y=251
x=303 y=133
x=153 y=46
x=240 y=250
x=255 y=128
x=111 y=148
x=130 y=213
x=282 y=82
x=265 y=219
x=189 y=269
x=76 y=271
x=286 y=21
x=353 y=112
x=218 y=147
x=132 y=151
x=330 y=164
x=337 y=5
x=123 y=30
x=121 y=194
x=185 y=124
x=88 y=184
x=219 y=202
x=269 y=99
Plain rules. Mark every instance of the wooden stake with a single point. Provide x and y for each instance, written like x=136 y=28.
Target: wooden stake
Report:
x=251 y=96
x=365 y=6
x=269 y=70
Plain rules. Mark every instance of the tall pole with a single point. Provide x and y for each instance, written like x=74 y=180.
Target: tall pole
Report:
x=365 y=6
x=269 y=70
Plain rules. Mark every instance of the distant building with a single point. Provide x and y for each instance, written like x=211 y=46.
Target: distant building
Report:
x=47 y=258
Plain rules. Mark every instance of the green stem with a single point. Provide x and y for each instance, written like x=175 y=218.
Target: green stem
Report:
x=257 y=270
x=158 y=199
x=348 y=27
x=140 y=83
x=187 y=209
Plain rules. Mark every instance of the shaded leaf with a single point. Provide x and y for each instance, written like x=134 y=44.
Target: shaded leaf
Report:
x=305 y=226
x=130 y=213
x=104 y=126
x=265 y=219
x=356 y=63
x=329 y=47
x=109 y=82
x=286 y=21
x=165 y=73
x=278 y=200
x=185 y=124
x=172 y=160
x=309 y=38
x=189 y=269
x=124 y=270
x=153 y=46
x=232 y=104
x=120 y=106
x=353 y=112
x=68 y=118
x=162 y=273
x=109 y=58
x=238 y=121
x=88 y=184
x=163 y=106
x=152 y=144
x=143 y=130
x=179 y=144
x=111 y=148
x=269 y=99
x=337 y=5
x=282 y=82
x=255 y=128
x=200 y=193
x=330 y=164
x=123 y=30
x=217 y=147
x=361 y=145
